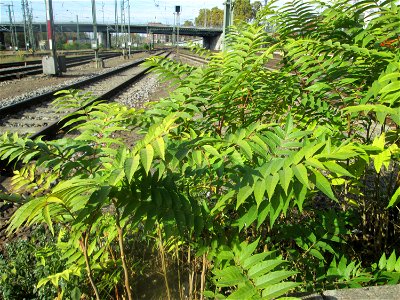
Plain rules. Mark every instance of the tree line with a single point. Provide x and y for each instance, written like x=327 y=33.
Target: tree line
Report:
x=214 y=17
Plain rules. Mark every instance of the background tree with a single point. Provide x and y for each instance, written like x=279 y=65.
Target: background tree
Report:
x=210 y=17
x=255 y=7
x=203 y=18
x=243 y=11
x=217 y=17
x=188 y=23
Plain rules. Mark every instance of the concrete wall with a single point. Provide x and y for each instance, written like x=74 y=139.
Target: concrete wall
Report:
x=102 y=38
x=213 y=42
x=2 y=43
x=384 y=292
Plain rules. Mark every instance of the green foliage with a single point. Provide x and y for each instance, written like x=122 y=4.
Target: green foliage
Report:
x=240 y=274
x=213 y=17
x=299 y=156
x=26 y=261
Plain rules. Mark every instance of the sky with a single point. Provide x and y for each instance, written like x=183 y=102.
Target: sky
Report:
x=141 y=11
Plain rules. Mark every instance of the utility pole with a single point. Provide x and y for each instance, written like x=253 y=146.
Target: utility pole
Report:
x=24 y=19
x=108 y=39
x=173 y=31
x=178 y=12
x=102 y=9
x=30 y=26
x=15 y=28
x=96 y=45
x=77 y=29
x=228 y=16
x=129 y=29
x=122 y=22
x=116 y=24
x=13 y=42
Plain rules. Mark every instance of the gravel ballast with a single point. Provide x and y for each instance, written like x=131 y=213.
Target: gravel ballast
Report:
x=13 y=91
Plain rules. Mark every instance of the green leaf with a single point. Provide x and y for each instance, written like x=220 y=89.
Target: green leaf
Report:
x=116 y=176
x=198 y=225
x=130 y=167
x=254 y=259
x=391 y=262
x=245 y=147
x=197 y=156
x=319 y=86
x=146 y=156
x=397 y=265
x=209 y=294
x=300 y=171
x=390 y=76
x=248 y=218
x=391 y=87
x=246 y=291
x=317 y=254
x=229 y=276
x=380 y=159
x=247 y=249
x=279 y=289
x=263 y=267
x=379 y=141
x=259 y=191
x=285 y=177
x=222 y=202
x=159 y=146
x=382 y=262
x=272 y=278
x=76 y=294
x=243 y=194
x=337 y=169
x=323 y=184
x=211 y=150
x=271 y=181
x=47 y=218
x=24 y=213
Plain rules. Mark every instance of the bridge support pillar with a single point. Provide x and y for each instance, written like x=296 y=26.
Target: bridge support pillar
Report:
x=213 y=42
x=108 y=40
x=102 y=38
x=2 y=41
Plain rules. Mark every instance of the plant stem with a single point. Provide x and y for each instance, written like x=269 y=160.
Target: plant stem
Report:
x=203 y=277
x=121 y=248
x=163 y=264
x=84 y=244
x=179 y=272
x=190 y=276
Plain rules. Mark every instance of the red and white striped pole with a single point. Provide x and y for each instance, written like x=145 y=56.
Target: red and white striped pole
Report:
x=50 y=33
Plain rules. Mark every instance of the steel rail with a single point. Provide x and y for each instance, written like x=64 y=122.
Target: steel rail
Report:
x=68 y=55
x=48 y=96
x=37 y=68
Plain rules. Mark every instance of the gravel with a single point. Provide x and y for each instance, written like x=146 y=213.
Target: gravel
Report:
x=13 y=91
x=11 y=100
x=139 y=94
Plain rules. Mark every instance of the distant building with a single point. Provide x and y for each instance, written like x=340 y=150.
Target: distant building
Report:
x=158 y=38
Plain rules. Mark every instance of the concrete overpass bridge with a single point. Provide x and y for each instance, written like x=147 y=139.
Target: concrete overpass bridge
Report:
x=211 y=36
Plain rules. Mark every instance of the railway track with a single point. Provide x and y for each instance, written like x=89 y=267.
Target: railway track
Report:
x=36 y=116
x=194 y=58
x=272 y=64
x=67 y=54
x=11 y=71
